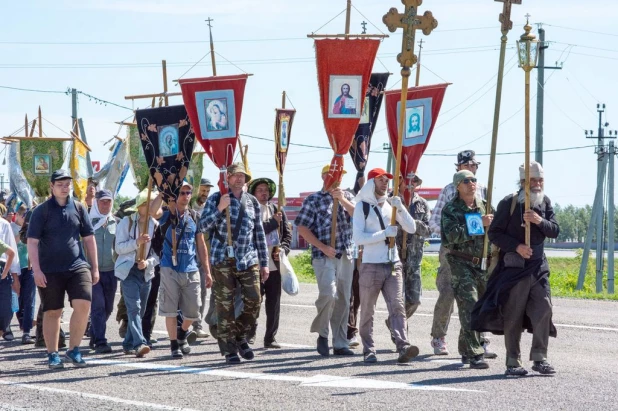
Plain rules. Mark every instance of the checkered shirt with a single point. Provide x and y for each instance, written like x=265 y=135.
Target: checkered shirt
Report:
x=446 y=195
x=316 y=214
x=250 y=246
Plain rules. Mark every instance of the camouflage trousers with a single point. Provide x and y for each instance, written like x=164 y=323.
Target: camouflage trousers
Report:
x=229 y=328
x=444 y=305
x=412 y=286
x=469 y=283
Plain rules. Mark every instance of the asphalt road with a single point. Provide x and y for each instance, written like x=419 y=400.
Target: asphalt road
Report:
x=296 y=377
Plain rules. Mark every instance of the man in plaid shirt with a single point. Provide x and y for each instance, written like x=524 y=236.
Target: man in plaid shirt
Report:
x=333 y=267
x=248 y=265
x=444 y=305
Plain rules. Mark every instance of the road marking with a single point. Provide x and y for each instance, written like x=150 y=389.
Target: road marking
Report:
x=325 y=381
x=584 y=327
x=93 y=396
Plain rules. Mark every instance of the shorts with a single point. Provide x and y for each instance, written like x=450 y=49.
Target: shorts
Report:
x=76 y=283
x=180 y=291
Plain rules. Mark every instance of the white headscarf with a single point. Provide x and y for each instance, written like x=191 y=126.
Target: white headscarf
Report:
x=95 y=213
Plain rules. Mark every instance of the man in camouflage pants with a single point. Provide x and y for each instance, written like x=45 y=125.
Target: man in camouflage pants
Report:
x=247 y=265
x=462 y=235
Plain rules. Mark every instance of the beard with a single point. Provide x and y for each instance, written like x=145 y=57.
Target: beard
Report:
x=536 y=198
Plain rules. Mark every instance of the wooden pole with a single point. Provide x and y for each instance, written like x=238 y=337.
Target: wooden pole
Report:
x=32 y=129
x=40 y=123
x=348 y=11
x=144 y=228
x=164 y=64
x=26 y=125
x=212 y=48
x=283 y=100
x=527 y=155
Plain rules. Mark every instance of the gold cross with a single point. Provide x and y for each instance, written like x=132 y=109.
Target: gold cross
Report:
x=505 y=16
x=409 y=21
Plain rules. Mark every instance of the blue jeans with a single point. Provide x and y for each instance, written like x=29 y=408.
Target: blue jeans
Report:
x=27 y=299
x=103 y=294
x=6 y=297
x=135 y=292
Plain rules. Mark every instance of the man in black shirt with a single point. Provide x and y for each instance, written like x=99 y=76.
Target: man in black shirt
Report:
x=59 y=265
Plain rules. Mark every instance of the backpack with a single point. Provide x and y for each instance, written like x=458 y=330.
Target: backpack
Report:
x=495 y=250
x=366 y=207
x=158 y=238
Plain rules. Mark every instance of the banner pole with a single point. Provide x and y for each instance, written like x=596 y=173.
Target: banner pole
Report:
x=144 y=230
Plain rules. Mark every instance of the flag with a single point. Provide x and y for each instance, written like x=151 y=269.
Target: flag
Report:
x=344 y=70
x=214 y=105
x=359 y=150
x=168 y=141
x=39 y=158
x=79 y=167
x=422 y=109
x=118 y=164
x=283 y=132
x=196 y=169
x=139 y=168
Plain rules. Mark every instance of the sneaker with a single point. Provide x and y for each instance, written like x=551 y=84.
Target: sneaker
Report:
x=488 y=353
x=342 y=351
x=185 y=348
x=232 y=359
x=272 y=344
x=190 y=337
x=439 y=346
x=141 y=351
x=177 y=353
x=370 y=358
x=465 y=359
x=128 y=351
x=245 y=350
x=27 y=339
x=407 y=353
x=200 y=333
x=515 y=371
x=353 y=342
x=53 y=361
x=122 y=331
x=543 y=367
x=478 y=363
x=76 y=357
x=323 y=346
x=103 y=349
x=8 y=336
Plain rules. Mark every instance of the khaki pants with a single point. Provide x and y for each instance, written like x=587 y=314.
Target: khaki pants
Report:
x=444 y=305
x=334 y=277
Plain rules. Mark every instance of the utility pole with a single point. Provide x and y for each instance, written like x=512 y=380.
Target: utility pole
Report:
x=74 y=109
x=389 y=161
x=604 y=157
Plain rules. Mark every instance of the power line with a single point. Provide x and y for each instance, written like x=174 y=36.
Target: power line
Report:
x=581 y=30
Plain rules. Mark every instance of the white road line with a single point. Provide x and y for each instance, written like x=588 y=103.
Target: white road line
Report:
x=329 y=381
x=584 y=327
x=93 y=396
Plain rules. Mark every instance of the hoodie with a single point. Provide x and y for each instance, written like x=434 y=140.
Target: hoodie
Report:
x=368 y=232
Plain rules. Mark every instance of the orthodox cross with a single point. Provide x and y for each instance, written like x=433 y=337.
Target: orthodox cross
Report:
x=505 y=16
x=409 y=21
x=364 y=25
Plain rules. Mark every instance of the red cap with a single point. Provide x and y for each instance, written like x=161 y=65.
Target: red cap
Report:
x=378 y=172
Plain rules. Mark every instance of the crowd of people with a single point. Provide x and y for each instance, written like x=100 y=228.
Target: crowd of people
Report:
x=166 y=256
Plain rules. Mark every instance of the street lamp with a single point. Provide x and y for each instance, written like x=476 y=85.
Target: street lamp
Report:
x=527 y=48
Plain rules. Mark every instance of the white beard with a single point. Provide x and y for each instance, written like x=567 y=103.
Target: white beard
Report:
x=536 y=199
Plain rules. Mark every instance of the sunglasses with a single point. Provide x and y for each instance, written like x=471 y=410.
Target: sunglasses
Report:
x=468 y=180
x=186 y=193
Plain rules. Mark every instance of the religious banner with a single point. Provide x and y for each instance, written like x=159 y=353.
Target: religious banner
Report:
x=196 y=169
x=79 y=167
x=139 y=167
x=18 y=182
x=283 y=130
x=422 y=109
x=39 y=157
x=168 y=141
x=344 y=70
x=214 y=105
x=359 y=150
x=118 y=164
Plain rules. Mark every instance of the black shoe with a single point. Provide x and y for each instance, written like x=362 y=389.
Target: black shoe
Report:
x=91 y=344
x=543 y=367
x=272 y=344
x=27 y=339
x=8 y=336
x=342 y=351
x=177 y=353
x=244 y=350
x=370 y=358
x=515 y=371
x=184 y=347
x=103 y=349
x=232 y=359
x=62 y=343
x=407 y=353
x=478 y=363
x=40 y=343
x=323 y=346
x=465 y=359
x=186 y=336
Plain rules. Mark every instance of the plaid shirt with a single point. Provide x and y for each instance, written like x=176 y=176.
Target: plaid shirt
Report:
x=316 y=214
x=446 y=195
x=250 y=246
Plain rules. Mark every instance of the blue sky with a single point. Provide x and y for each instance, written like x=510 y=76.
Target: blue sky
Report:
x=268 y=39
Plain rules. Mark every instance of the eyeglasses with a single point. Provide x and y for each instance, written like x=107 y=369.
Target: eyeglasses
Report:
x=186 y=193
x=468 y=180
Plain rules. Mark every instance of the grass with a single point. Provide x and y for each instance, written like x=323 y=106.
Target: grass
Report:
x=563 y=278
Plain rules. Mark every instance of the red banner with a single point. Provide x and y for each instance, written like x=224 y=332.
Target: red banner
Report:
x=422 y=109
x=214 y=105
x=344 y=71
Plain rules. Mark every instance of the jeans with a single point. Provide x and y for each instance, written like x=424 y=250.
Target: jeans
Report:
x=6 y=297
x=27 y=299
x=150 y=315
x=103 y=294
x=135 y=291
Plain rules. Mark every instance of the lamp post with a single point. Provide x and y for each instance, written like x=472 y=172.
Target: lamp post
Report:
x=527 y=48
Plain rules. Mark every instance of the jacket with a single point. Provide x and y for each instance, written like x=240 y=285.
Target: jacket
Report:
x=126 y=248
x=369 y=233
x=454 y=230
x=105 y=237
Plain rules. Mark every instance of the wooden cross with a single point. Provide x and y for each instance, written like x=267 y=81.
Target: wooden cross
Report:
x=505 y=16
x=409 y=21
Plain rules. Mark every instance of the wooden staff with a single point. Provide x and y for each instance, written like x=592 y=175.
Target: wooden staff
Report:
x=144 y=228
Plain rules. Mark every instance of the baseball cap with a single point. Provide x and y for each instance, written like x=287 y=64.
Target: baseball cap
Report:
x=461 y=176
x=206 y=182
x=60 y=175
x=104 y=195
x=327 y=167
x=378 y=172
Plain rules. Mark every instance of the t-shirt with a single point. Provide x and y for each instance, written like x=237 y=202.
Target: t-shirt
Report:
x=186 y=248
x=58 y=229
x=22 y=249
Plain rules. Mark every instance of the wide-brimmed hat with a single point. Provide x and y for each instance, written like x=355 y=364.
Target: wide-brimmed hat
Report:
x=272 y=187
x=141 y=198
x=465 y=157
x=239 y=168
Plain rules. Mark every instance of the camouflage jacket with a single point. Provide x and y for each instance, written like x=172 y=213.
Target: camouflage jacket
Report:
x=454 y=231
x=421 y=213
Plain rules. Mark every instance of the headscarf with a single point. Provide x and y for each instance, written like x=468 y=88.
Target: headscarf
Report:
x=95 y=213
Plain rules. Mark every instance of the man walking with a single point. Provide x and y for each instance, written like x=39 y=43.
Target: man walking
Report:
x=278 y=237
x=333 y=267
x=59 y=265
x=245 y=261
x=381 y=269
x=27 y=289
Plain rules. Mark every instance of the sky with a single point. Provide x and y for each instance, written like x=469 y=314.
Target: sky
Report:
x=113 y=48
